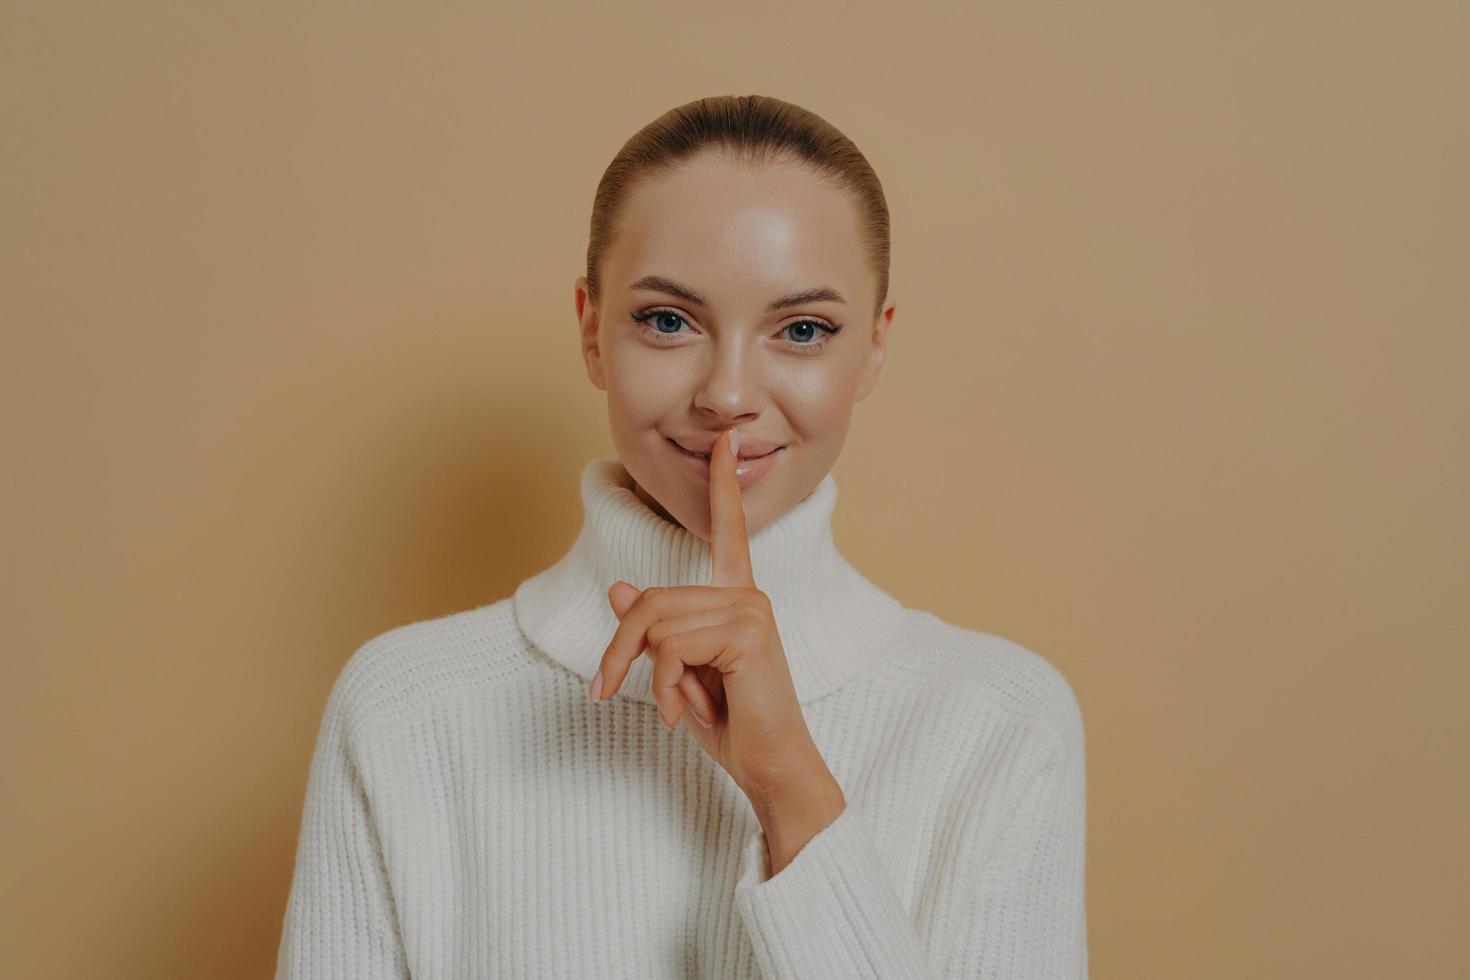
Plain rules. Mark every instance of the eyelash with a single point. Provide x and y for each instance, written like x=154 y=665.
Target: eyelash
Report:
x=641 y=318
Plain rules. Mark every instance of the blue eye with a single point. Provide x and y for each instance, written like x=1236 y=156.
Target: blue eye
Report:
x=802 y=338
x=660 y=318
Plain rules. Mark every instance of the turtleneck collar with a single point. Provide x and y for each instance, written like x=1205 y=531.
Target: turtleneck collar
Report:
x=833 y=621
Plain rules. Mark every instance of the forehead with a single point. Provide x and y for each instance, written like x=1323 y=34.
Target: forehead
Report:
x=741 y=234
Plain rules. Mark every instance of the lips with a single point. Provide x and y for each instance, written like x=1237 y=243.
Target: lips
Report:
x=750 y=471
x=700 y=445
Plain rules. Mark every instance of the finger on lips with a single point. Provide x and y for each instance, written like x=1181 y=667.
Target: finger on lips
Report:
x=660 y=613
x=729 y=549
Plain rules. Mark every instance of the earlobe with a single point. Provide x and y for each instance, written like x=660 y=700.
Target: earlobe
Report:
x=587 y=327
x=870 y=376
x=593 y=360
x=876 y=355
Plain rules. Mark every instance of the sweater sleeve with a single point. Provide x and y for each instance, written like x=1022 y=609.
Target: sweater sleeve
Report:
x=1016 y=912
x=340 y=919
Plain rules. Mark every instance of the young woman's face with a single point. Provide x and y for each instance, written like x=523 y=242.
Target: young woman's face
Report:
x=686 y=344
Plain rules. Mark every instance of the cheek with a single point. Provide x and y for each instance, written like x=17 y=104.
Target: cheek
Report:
x=817 y=402
x=639 y=388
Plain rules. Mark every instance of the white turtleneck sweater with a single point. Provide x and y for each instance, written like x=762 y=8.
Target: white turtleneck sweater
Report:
x=471 y=814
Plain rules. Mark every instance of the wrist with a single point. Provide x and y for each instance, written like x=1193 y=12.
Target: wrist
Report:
x=794 y=811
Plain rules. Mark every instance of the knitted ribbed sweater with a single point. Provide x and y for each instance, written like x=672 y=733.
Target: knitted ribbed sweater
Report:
x=470 y=813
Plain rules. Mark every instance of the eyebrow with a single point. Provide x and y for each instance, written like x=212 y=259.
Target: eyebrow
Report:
x=817 y=294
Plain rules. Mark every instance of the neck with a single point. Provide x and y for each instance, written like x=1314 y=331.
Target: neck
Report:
x=833 y=622
x=653 y=504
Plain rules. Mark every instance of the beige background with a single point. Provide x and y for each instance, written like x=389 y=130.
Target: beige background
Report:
x=1175 y=398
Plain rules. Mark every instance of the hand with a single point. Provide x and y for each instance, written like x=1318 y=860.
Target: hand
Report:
x=716 y=650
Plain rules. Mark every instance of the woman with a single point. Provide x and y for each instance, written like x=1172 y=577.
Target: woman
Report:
x=800 y=777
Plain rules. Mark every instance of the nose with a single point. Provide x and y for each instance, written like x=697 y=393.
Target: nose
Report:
x=732 y=389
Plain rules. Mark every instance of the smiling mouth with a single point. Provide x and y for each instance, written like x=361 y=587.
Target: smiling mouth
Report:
x=687 y=452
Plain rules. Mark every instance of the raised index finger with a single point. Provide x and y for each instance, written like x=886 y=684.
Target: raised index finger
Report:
x=729 y=549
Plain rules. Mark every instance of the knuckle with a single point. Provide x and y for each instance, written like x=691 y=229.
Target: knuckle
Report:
x=750 y=600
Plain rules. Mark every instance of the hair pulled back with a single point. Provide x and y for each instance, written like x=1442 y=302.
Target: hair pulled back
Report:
x=754 y=129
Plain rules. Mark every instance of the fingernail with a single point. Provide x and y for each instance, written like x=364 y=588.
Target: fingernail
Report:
x=699 y=717
x=596 y=691
x=734 y=442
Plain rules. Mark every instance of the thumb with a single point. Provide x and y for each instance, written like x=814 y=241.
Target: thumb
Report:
x=621 y=595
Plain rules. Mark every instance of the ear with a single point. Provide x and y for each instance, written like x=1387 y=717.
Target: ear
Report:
x=587 y=330
x=881 y=327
